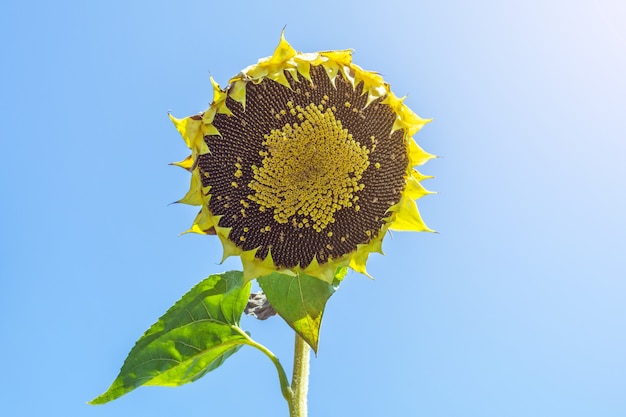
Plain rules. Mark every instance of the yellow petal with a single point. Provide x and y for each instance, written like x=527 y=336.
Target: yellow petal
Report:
x=304 y=68
x=325 y=271
x=408 y=218
x=194 y=195
x=237 y=92
x=280 y=78
x=359 y=260
x=341 y=57
x=283 y=51
x=331 y=70
x=418 y=156
x=189 y=128
x=414 y=189
x=219 y=95
x=186 y=163
x=230 y=249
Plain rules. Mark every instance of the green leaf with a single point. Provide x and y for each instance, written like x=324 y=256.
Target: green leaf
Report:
x=194 y=337
x=300 y=300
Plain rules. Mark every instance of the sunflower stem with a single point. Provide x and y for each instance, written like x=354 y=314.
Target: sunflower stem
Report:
x=300 y=379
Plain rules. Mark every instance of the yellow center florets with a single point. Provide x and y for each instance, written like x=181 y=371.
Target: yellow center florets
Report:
x=310 y=169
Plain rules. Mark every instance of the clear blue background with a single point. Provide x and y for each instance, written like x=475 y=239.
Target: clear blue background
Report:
x=517 y=307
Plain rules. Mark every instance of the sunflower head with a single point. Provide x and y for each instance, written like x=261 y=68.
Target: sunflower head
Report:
x=302 y=163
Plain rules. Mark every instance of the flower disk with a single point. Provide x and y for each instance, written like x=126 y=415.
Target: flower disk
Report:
x=303 y=163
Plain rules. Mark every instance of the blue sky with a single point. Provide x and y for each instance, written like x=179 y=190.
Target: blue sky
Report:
x=516 y=308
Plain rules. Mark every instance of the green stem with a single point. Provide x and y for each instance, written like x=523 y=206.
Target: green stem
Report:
x=282 y=376
x=300 y=379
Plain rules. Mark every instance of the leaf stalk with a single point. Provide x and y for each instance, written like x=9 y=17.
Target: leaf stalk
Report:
x=282 y=376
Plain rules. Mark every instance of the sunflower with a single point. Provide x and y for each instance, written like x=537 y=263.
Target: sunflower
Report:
x=303 y=163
